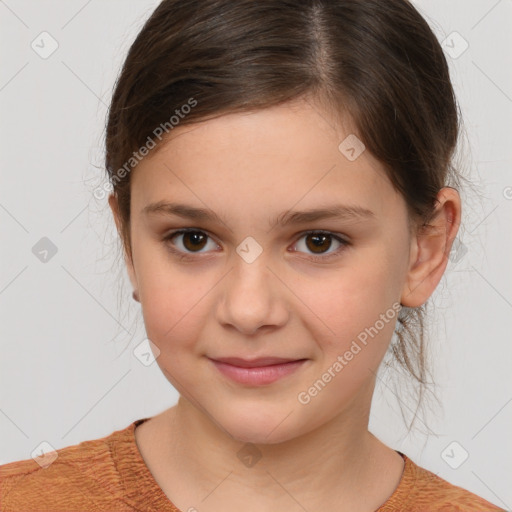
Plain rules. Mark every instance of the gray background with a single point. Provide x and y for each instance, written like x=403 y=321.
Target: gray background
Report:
x=69 y=326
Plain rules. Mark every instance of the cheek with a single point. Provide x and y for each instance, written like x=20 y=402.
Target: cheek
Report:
x=354 y=309
x=173 y=324
x=176 y=305
x=356 y=317
x=169 y=299
x=337 y=305
x=172 y=312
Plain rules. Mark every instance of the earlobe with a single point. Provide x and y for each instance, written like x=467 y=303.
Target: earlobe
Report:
x=430 y=249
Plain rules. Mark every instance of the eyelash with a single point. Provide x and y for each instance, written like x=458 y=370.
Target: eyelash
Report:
x=316 y=258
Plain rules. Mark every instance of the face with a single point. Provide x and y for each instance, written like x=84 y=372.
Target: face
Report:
x=247 y=284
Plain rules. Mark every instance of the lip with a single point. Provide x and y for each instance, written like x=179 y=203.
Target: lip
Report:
x=257 y=372
x=253 y=363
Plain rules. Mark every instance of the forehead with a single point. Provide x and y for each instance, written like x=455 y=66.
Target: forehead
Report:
x=278 y=157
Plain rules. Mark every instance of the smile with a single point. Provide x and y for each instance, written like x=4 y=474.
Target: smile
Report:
x=258 y=372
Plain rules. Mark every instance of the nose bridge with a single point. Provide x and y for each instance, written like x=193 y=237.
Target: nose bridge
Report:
x=252 y=295
x=251 y=276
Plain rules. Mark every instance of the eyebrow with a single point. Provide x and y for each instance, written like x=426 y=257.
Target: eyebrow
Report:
x=349 y=212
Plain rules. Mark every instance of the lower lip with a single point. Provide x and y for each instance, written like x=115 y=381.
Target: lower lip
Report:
x=258 y=376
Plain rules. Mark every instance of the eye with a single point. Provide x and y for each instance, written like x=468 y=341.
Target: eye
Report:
x=193 y=240
x=319 y=242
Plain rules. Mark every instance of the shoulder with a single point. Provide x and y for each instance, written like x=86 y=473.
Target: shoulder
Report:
x=421 y=490
x=79 y=477
x=440 y=495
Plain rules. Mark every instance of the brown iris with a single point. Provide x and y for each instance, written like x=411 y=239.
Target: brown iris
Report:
x=196 y=238
x=318 y=242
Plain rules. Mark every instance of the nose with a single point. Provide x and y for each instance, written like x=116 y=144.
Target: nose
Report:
x=252 y=298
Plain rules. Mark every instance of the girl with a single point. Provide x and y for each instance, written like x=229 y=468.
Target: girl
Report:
x=281 y=185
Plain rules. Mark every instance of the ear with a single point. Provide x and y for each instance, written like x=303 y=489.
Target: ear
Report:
x=114 y=206
x=430 y=249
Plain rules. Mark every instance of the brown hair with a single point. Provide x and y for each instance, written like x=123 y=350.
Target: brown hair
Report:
x=377 y=60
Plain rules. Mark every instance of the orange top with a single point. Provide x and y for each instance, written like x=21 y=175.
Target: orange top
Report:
x=110 y=474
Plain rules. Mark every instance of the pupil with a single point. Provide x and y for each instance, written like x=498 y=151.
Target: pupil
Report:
x=318 y=240
x=197 y=240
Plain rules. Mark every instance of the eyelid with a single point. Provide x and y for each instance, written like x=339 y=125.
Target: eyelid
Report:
x=324 y=257
x=186 y=255
x=339 y=237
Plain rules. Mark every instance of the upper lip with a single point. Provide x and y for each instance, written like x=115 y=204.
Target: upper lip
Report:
x=253 y=363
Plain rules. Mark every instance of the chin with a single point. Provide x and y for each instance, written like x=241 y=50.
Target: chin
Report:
x=261 y=436
x=259 y=426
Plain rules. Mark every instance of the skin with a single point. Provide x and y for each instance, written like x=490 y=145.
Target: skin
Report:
x=249 y=168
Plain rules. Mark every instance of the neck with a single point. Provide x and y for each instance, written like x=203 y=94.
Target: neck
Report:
x=334 y=461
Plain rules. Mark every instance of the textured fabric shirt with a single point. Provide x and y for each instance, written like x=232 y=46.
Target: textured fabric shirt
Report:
x=109 y=474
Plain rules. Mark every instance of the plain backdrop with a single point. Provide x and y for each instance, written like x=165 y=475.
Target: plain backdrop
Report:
x=68 y=324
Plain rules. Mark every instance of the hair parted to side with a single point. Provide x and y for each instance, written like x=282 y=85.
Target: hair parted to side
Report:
x=377 y=61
